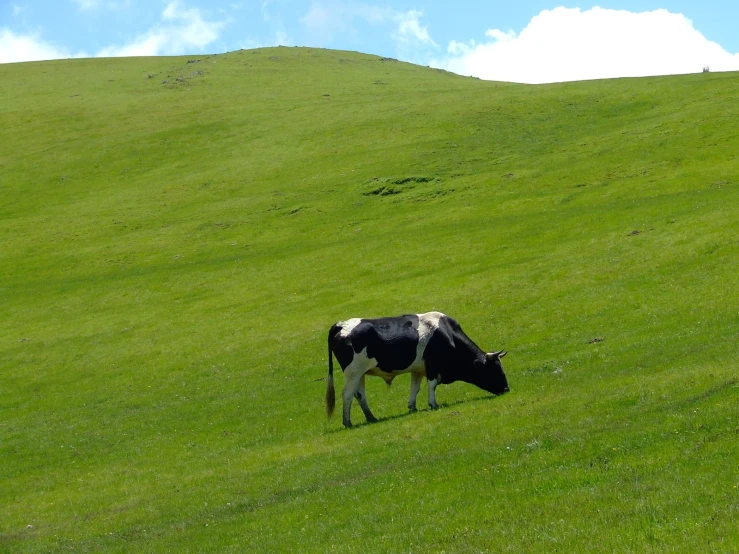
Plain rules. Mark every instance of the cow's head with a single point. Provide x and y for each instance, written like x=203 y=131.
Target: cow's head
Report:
x=492 y=376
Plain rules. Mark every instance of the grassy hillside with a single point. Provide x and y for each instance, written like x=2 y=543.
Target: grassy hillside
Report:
x=177 y=235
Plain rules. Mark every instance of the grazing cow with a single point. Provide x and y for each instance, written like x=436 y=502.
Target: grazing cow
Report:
x=431 y=344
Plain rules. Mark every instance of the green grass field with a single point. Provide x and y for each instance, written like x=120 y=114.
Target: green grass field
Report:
x=177 y=235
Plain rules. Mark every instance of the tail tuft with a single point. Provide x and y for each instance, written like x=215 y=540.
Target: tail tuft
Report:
x=330 y=392
x=330 y=396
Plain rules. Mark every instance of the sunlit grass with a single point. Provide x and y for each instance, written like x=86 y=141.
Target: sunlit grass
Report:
x=173 y=254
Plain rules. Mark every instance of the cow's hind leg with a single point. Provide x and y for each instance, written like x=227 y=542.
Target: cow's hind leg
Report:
x=416 y=379
x=351 y=384
x=353 y=378
x=361 y=395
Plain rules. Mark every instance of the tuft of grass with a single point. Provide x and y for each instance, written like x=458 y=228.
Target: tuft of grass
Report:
x=178 y=234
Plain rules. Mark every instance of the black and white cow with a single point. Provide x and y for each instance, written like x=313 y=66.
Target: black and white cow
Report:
x=431 y=345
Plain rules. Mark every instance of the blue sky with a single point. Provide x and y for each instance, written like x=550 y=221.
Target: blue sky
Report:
x=524 y=41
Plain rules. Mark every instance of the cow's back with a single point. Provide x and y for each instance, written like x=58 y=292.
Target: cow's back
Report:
x=391 y=341
x=397 y=344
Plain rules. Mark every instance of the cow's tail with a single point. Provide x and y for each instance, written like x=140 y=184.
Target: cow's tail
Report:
x=330 y=391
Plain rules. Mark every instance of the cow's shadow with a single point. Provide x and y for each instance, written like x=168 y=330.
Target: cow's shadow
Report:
x=442 y=406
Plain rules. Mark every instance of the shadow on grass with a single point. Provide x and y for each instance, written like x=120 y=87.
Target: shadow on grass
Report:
x=442 y=407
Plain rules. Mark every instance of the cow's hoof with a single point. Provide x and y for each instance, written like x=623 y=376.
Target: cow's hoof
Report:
x=372 y=419
x=412 y=409
x=348 y=424
x=434 y=406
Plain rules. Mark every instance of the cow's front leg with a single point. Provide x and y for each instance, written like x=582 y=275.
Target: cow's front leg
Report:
x=361 y=395
x=432 y=393
x=416 y=379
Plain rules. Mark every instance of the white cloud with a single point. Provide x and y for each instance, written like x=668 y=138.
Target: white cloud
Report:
x=180 y=31
x=26 y=48
x=281 y=38
x=409 y=28
x=569 y=44
x=334 y=17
